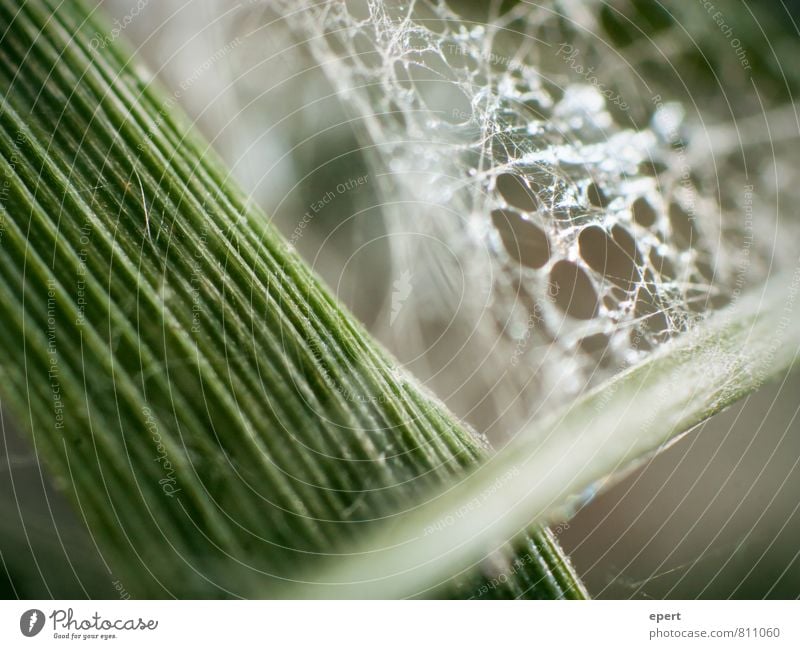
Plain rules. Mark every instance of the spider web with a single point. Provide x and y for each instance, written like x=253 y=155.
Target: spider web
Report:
x=584 y=242
x=552 y=212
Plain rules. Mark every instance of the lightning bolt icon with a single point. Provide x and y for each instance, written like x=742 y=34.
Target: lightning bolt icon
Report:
x=32 y=621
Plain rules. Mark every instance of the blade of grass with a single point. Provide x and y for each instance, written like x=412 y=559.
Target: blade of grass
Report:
x=557 y=461
x=221 y=424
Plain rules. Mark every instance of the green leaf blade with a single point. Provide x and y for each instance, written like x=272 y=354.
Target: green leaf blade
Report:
x=226 y=427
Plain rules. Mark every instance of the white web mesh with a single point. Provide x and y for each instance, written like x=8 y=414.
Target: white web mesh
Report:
x=550 y=218
x=585 y=243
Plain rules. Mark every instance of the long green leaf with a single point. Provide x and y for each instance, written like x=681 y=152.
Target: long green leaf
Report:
x=222 y=426
x=558 y=461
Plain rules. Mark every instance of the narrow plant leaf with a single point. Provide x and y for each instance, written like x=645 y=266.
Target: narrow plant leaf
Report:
x=220 y=424
x=557 y=462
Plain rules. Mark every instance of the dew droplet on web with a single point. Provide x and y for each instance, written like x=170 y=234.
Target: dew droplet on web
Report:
x=549 y=179
x=624 y=239
x=639 y=341
x=596 y=196
x=574 y=292
x=652 y=168
x=595 y=344
x=516 y=192
x=365 y=51
x=705 y=270
x=662 y=265
x=524 y=241
x=611 y=303
x=643 y=213
x=606 y=256
x=697 y=299
x=651 y=313
x=682 y=224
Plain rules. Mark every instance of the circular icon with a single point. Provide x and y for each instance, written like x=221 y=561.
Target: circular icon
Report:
x=31 y=622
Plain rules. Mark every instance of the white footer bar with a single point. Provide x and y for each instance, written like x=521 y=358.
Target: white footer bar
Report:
x=399 y=624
